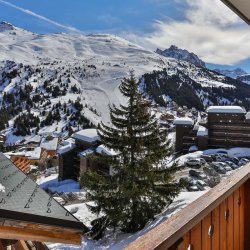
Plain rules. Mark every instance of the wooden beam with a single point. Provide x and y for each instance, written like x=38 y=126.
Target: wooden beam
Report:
x=1 y=245
x=236 y=10
x=7 y=232
x=21 y=245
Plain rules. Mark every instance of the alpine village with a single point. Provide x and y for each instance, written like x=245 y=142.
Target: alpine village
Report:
x=105 y=144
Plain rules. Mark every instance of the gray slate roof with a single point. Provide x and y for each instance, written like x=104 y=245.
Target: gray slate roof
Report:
x=22 y=199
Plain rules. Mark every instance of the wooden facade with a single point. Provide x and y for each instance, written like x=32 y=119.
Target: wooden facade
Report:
x=219 y=219
x=224 y=130
x=76 y=160
x=69 y=166
x=185 y=137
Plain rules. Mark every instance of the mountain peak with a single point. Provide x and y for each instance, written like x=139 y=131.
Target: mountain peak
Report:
x=173 y=47
x=181 y=54
x=6 y=26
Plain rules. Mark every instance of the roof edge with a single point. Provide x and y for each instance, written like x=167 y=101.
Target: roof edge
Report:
x=235 y=10
x=50 y=221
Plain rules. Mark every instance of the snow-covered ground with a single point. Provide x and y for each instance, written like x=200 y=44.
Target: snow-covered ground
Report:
x=117 y=240
x=51 y=182
x=232 y=152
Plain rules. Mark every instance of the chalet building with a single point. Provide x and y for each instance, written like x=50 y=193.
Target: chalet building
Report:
x=29 y=216
x=74 y=150
x=78 y=155
x=86 y=162
x=226 y=126
x=49 y=145
x=34 y=141
x=26 y=157
x=185 y=135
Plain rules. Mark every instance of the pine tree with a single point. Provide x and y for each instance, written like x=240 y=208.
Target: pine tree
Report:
x=140 y=185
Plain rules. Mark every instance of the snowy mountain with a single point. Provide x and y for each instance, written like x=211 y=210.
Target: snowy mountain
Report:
x=194 y=88
x=53 y=81
x=181 y=54
x=244 y=78
x=235 y=73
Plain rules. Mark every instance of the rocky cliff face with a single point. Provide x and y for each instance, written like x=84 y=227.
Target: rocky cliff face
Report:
x=181 y=54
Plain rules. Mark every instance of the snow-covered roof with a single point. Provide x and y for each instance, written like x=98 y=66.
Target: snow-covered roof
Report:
x=30 y=154
x=49 y=144
x=35 y=154
x=226 y=109
x=202 y=131
x=104 y=150
x=35 y=138
x=87 y=135
x=183 y=121
x=2 y=188
x=87 y=152
x=66 y=148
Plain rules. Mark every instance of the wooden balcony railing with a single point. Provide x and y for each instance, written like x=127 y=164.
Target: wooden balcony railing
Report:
x=230 y=128
x=219 y=142
x=230 y=134
x=220 y=219
x=189 y=138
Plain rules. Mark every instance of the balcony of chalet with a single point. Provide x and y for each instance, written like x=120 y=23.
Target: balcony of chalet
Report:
x=228 y=142
x=219 y=219
x=230 y=127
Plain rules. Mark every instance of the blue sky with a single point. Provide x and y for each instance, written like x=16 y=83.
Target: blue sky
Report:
x=91 y=15
x=207 y=28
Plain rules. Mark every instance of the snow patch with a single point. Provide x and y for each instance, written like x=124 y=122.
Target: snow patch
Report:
x=183 y=121
x=226 y=109
x=2 y=188
x=202 y=131
x=87 y=135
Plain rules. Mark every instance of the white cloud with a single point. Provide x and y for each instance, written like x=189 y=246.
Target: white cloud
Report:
x=210 y=12
x=31 y=13
x=209 y=29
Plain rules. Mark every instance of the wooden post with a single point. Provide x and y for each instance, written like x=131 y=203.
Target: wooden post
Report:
x=216 y=228
x=21 y=245
x=1 y=245
x=230 y=222
x=237 y=204
x=196 y=237
x=207 y=232
x=185 y=243
x=223 y=225
x=247 y=214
